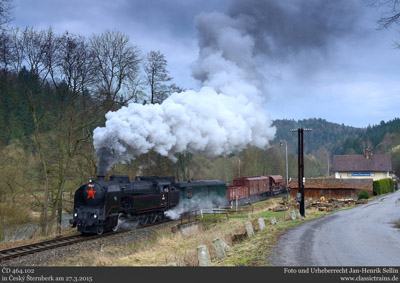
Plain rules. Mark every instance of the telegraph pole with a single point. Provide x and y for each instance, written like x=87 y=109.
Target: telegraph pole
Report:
x=300 y=168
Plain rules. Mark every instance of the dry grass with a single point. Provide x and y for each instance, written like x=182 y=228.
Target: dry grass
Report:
x=25 y=210
x=166 y=247
x=35 y=238
x=256 y=250
x=14 y=214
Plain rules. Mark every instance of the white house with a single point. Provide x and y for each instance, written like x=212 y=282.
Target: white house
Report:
x=377 y=166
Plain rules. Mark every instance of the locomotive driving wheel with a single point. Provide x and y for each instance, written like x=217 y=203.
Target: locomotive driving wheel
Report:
x=153 y=217
x=100 y=230
x=143 y=219
x=160 y=216
x=120 y=219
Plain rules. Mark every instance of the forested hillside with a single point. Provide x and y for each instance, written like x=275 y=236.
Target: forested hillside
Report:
x=323 y=134
x=334 y=139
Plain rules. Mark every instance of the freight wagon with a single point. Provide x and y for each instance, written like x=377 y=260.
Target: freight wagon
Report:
x=207 y=189
x=275 y=184
x=252 y=189
x=257 y=185
x=239 y=194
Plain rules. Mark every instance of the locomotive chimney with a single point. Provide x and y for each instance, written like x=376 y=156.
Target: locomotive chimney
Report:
x=100 y=178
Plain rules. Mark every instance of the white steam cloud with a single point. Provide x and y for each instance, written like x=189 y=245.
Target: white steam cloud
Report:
x=225 y=115
x=125 y=224
x=195 y=204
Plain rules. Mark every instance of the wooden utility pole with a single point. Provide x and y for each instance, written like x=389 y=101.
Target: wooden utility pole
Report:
x=300 y=168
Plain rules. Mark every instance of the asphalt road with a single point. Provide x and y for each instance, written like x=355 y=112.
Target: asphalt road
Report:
x=362 y=236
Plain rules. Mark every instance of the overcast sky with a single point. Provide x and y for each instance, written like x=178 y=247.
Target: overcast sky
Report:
x=320 y=59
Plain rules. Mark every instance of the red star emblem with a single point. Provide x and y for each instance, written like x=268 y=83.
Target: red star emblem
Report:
x=91 y=193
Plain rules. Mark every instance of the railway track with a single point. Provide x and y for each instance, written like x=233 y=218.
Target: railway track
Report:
x=19 y=251
x=42 y=246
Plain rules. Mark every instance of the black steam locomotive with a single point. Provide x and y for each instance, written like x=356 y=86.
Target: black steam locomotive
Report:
x=99 y=204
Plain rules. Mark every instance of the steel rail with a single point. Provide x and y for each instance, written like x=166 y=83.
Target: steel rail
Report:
x=18 y=251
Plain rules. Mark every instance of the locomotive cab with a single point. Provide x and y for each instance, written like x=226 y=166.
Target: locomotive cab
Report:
x=164 y=189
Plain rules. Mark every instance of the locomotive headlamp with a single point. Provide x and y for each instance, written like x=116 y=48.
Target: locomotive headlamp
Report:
x=75 y=214
x=95 y=215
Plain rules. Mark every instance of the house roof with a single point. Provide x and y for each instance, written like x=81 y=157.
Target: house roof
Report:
x=359 y=163
x=360 y=184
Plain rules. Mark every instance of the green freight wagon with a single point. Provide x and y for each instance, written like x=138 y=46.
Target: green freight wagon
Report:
x=205 y=189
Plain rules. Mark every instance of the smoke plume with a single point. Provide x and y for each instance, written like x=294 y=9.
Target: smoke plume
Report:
x=225 y=115
x=283 y=29
x=200 y=122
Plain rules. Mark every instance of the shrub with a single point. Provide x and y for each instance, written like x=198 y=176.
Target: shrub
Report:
x=363 y=194
x=391 y=185
x=383 y=186
x=377 y=187
x=12 y=214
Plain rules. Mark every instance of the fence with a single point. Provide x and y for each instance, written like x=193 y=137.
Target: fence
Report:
x=191 y=216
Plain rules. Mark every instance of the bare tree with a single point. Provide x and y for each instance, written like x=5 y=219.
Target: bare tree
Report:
x=17 y=49
x=37 y=46
x=157 y=75
x=5 y=52
x=183 y=164
x=31 y=47
x=71 y=71
x=174 y=88
x=6 y=7
x=117 y=67
x=391 y=14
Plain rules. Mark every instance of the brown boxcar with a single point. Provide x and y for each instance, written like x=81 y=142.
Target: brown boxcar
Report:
x=275 y=184
x=236 y=193
x=257 y=185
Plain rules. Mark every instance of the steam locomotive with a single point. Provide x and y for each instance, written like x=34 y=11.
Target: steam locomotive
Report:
x=99 y=204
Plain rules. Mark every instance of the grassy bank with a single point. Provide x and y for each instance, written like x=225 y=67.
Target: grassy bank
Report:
x=12 y=214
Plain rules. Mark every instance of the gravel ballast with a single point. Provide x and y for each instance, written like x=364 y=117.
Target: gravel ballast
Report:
x=54 y=256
